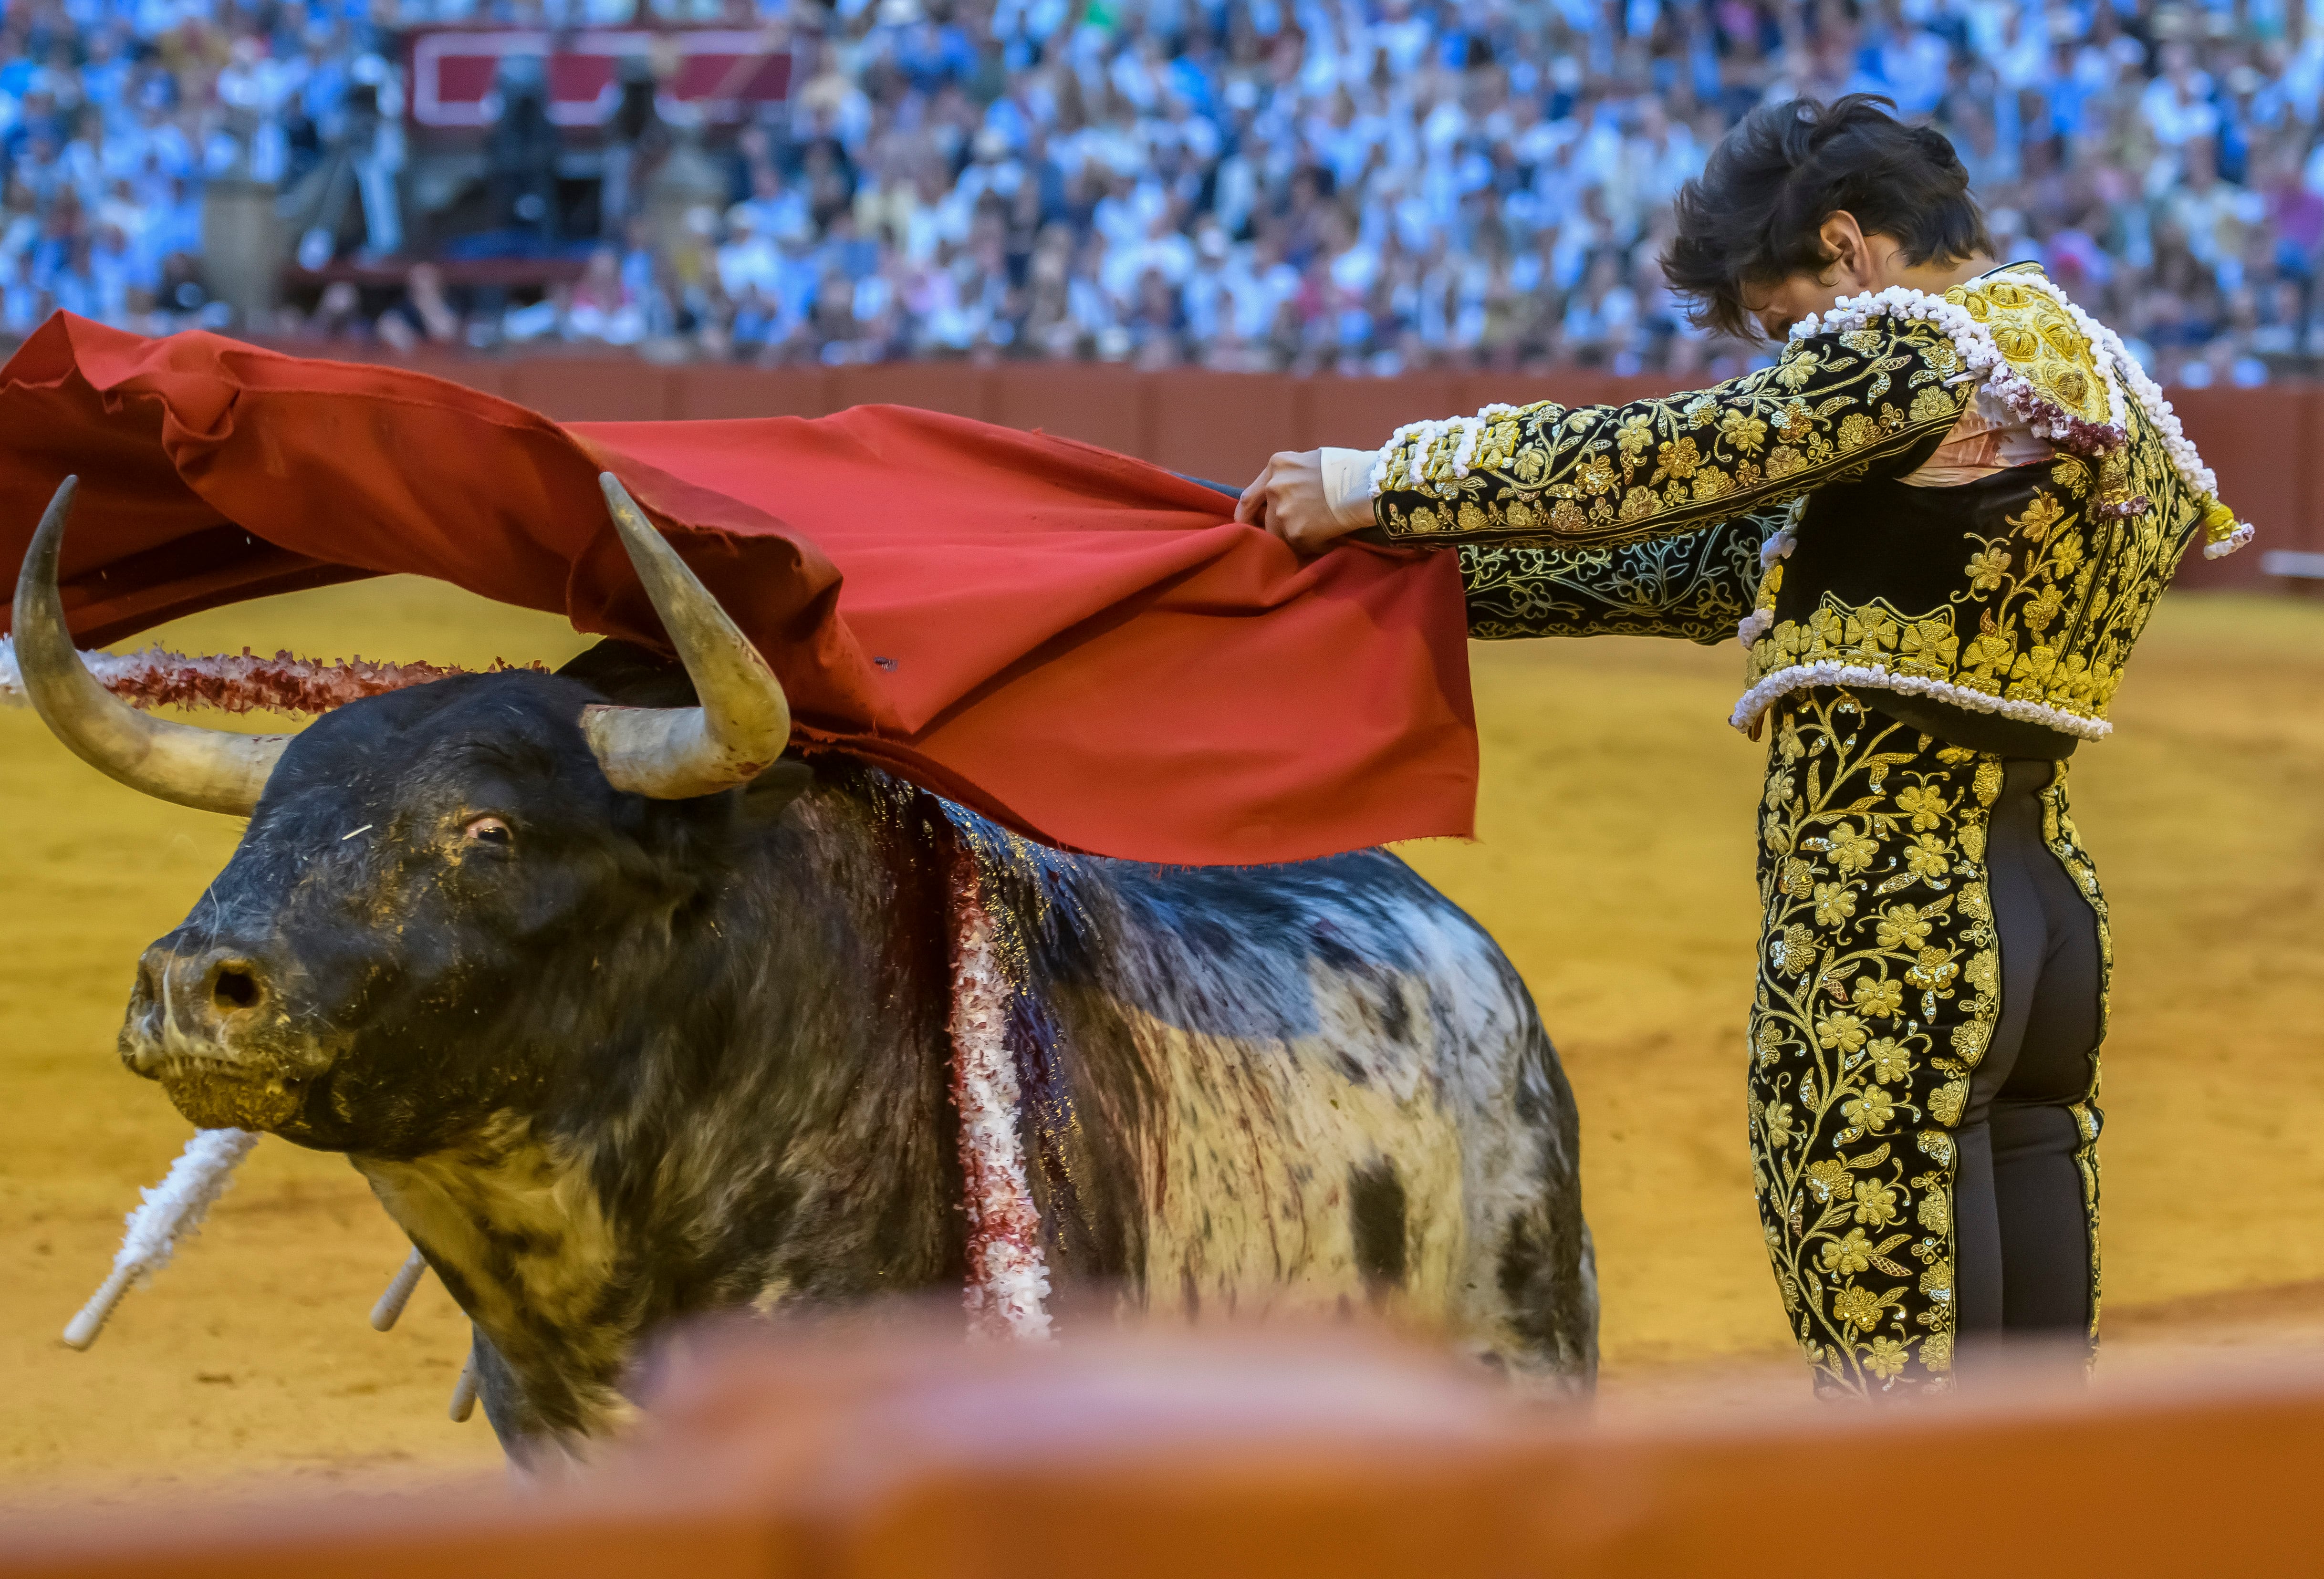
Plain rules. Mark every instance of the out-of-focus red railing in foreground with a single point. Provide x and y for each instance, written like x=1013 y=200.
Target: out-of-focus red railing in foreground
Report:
x=1284 y=1452
x=2266 y=445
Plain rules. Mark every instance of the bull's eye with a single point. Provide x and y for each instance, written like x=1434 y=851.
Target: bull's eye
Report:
x=489 y=830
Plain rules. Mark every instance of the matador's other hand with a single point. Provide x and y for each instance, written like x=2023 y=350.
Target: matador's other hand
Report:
x=1291 y=498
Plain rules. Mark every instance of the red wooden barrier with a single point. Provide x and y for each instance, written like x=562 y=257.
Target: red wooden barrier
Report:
x=592 y=389
x=716 y=392
x=1219 y=425
x=1096 y=405
x=961 y=388
x=2263 y=444
x=2266 y=445
x=1291 y=1452
x=1359 y=413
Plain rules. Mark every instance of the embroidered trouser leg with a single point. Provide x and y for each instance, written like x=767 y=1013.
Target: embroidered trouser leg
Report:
x=1880 y=1002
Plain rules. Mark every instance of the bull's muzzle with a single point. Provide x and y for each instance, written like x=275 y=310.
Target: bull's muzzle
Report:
x=207 y=1023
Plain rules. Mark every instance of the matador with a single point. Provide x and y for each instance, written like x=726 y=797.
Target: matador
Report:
x=1938 y=522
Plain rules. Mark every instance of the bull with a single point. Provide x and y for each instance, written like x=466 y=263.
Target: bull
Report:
x=628 y=1016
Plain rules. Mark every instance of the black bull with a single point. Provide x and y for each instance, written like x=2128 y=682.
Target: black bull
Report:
x=612 y=1060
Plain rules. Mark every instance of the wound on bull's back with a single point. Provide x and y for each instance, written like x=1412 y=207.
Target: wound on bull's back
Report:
x=1375 y=1223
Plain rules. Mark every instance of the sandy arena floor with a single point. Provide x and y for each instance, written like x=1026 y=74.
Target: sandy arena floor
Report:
x=1615 y=866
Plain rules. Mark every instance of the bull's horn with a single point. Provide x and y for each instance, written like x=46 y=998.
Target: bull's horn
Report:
x=743 y=723
x=211 y=770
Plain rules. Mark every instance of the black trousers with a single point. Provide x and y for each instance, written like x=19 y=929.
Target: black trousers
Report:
x=2023 y=1240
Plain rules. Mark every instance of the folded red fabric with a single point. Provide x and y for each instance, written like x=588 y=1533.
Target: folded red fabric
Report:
x=1072 y=642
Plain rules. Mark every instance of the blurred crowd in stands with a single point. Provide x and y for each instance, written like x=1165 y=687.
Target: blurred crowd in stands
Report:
x=1315 y=185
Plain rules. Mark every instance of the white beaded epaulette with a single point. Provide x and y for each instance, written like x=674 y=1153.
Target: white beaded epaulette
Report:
x=1983 y=357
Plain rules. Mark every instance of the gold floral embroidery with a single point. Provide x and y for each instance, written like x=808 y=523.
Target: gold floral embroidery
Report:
x=1986 y=567
x=1931 y=405
x=1696 y=585
x=1878 y=993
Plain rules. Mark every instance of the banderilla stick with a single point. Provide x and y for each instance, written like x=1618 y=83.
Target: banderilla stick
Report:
x=399 y=1290
x=464 y=1392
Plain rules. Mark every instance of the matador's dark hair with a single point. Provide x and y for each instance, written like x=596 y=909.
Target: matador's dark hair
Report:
x=1751 y=216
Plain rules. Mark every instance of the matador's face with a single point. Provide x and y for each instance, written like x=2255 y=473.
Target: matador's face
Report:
x=1777 y=307
x=1858 y=264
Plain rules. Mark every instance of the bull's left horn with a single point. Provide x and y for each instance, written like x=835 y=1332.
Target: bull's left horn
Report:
x=211 y=769
x=744 y=722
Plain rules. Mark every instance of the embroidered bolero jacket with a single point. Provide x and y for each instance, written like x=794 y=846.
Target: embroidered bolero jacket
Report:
x=1774 y=506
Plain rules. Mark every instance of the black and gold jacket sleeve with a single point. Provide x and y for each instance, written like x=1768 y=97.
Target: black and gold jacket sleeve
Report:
x=1852 y=406
x=1696 y=585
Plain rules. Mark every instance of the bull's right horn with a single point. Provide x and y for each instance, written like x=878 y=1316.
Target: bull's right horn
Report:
x=744 y=722
x=211 y=769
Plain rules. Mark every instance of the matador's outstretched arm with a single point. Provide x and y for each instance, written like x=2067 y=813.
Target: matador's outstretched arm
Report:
x=1851 y=406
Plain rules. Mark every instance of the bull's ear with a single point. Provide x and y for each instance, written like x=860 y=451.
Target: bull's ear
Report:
x=766 y=797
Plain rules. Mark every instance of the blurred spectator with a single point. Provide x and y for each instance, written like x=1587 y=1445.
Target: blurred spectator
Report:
x=520 y=152
x=424 y=314
x=1351 y=185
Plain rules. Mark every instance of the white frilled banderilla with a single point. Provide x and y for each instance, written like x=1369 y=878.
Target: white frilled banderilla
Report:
x=172 y=1210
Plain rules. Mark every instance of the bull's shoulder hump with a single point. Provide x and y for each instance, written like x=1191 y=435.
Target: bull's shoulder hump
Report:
x=1366 y=903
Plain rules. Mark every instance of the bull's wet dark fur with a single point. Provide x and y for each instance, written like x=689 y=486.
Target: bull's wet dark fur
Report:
x=730 y=1014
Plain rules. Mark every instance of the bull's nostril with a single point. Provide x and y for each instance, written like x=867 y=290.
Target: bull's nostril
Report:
x=234 y=988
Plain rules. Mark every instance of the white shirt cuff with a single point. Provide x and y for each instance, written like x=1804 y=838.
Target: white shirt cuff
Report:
x=1347 y=484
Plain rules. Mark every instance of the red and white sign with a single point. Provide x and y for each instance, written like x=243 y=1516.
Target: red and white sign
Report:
x=721 y=73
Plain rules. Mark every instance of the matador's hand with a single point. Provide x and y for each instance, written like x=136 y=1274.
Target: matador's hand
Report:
x=1292 y=498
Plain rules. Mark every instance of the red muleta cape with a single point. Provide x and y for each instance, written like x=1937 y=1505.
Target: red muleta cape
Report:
x=1073 y=642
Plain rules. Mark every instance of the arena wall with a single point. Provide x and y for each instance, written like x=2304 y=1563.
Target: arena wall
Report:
x=2267 y=445
x=1290 y=1453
